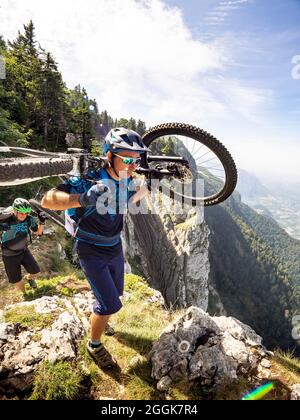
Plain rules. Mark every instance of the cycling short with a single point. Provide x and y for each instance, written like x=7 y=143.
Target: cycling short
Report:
x=106 y=277
x=13 y=265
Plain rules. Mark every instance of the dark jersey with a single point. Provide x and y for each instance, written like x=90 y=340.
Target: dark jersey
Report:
x=92 y=225
x=14 y=239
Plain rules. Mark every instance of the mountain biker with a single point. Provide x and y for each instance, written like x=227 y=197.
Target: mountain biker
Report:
x=16 y=225
x=97 y=232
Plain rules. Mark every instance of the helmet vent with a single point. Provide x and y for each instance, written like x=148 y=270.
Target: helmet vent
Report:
x=127 y=139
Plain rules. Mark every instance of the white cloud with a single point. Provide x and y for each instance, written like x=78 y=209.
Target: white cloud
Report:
x=127 y=53
x=223 y=10
x=233 y=2
x=138 y=58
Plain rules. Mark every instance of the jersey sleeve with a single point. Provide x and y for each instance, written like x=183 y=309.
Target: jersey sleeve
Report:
x=64 y=187
x=74 y=185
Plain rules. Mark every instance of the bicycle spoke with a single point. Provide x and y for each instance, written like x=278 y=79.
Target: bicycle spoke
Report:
x=209 y=160
x=216 y=169
x=205 y=154
x=199 y=149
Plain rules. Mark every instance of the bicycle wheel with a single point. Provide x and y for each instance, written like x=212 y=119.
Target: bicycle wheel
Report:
x=209 y=163
x=14 y=171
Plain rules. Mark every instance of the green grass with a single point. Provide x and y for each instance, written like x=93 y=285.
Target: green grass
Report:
x=135 y=264
x=59 y=381
x=137 y=286
x=289 y=361
x=137 y=326
x=56 y=286
x=27 y=317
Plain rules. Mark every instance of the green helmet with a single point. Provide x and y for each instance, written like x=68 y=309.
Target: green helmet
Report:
x=22 y=206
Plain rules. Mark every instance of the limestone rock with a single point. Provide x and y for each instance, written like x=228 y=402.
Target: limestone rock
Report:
x=213 y=350
x=295 y=395
x=23 y=348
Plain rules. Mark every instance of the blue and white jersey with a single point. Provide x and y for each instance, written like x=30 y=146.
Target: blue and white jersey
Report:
x=99 y=233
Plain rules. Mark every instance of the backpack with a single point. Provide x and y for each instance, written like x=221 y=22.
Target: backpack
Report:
x=5 y=213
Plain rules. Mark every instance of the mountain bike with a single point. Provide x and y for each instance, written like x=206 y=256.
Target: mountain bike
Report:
x=181 y=155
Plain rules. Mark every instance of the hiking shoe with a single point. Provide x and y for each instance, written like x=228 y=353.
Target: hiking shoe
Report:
x=109 y=331
x=101 y=356
x=32 y=283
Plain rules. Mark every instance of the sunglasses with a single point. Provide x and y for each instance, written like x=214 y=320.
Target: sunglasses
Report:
x=129 y=160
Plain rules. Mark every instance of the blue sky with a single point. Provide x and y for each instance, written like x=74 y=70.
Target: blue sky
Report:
x=223 y=65
x=265 y=35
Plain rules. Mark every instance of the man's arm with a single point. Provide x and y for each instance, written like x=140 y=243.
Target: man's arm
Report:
x=60 y=200
x=35 y=228
x=40 y=230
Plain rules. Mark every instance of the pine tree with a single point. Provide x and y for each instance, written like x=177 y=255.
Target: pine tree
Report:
x=132 y=124
x=104 y=118
x=2 y=45
x=81 y=123
x=141 y=127
x=54 y=113
x=123 y=122
x=24 y=55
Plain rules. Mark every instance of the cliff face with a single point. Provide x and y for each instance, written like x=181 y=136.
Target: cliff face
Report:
x=254 y=267
x=172 y=249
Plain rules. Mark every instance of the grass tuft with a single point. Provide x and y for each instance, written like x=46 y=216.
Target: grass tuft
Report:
x=59 y=381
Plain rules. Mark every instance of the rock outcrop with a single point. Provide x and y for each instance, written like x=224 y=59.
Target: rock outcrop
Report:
x=211 y=350
x=23 y=348
x=295 y=395
x=172 y=248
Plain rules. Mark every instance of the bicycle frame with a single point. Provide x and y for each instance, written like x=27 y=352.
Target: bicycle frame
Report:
x=83 y=162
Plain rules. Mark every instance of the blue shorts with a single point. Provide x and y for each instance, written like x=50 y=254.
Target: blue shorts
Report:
x=106 y=277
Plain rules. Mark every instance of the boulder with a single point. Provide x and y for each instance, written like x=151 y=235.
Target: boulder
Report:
x=22 y=348
x=211 y=350
x=295 y=395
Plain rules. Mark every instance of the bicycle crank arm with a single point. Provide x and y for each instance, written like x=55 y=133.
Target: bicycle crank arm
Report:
x=153 y=172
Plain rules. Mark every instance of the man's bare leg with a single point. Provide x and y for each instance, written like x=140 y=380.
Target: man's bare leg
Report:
x=20 y=286
x=98 y=324
x=95 y=348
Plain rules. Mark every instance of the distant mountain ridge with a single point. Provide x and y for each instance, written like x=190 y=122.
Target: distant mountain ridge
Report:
x=255 y=268
x=279 y=200
x=249 y=186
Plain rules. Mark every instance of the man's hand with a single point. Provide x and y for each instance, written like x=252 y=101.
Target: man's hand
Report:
x=42 y=217
x=89 y=198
